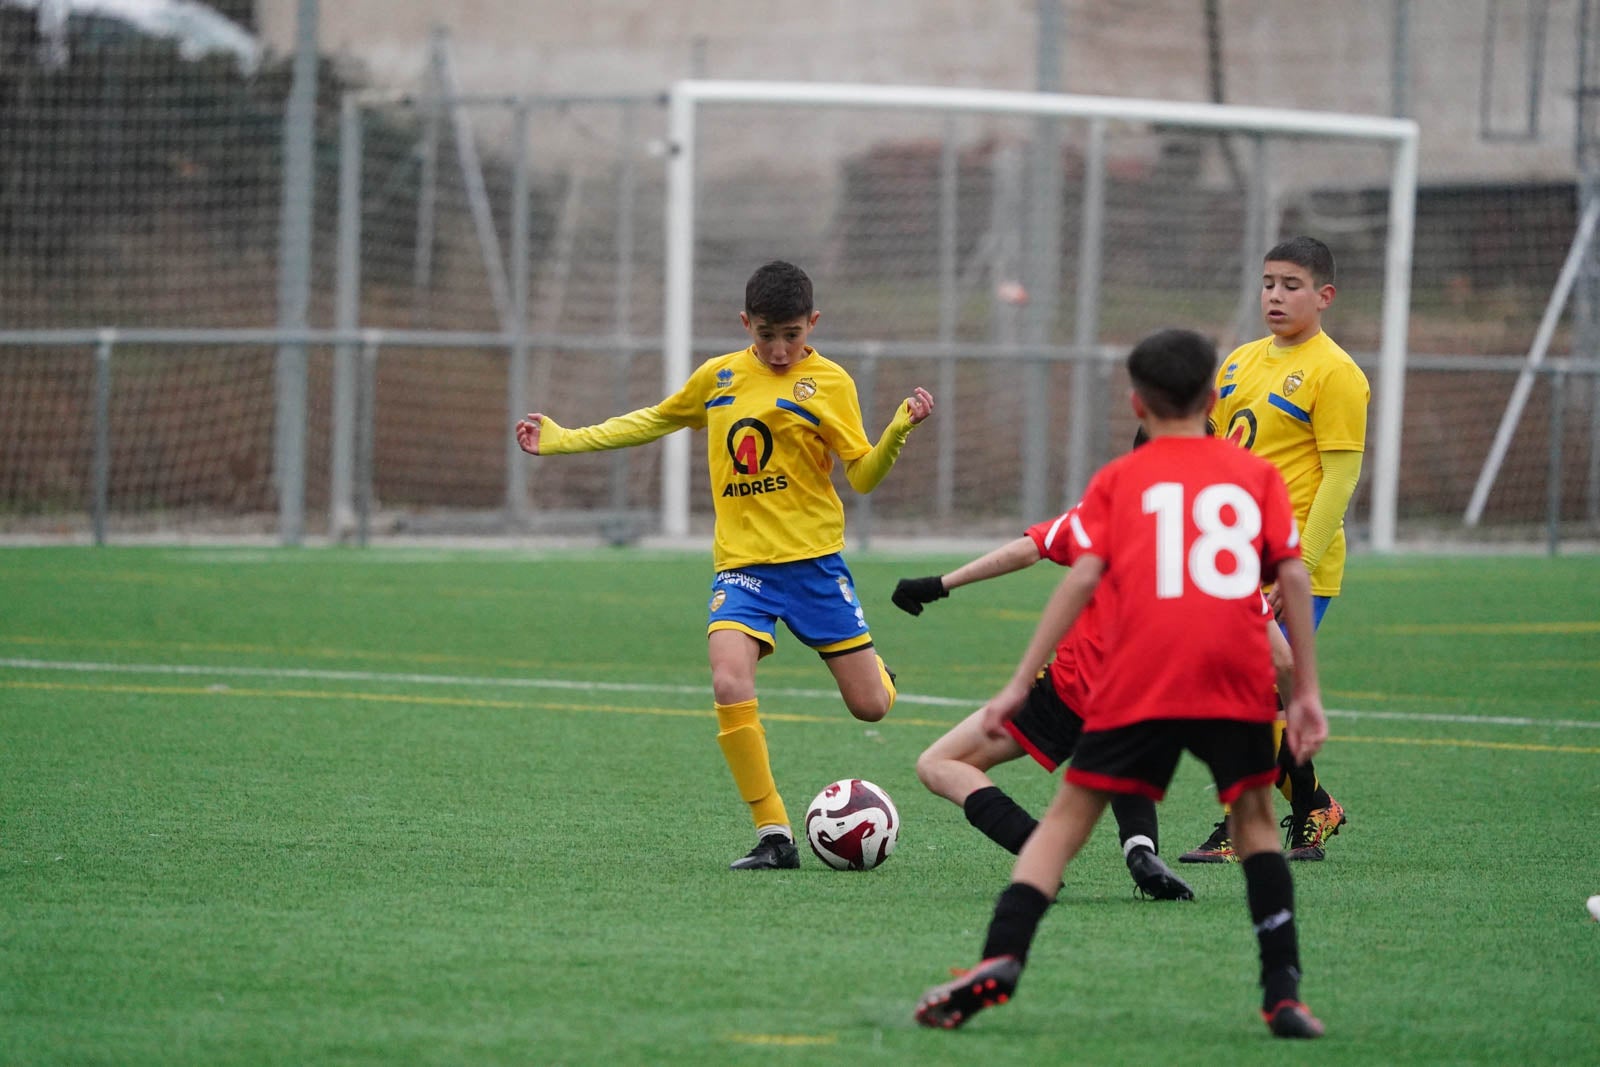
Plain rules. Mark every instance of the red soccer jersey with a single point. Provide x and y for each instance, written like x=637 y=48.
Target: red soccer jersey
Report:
x=1081 y=651
x=1188 y=531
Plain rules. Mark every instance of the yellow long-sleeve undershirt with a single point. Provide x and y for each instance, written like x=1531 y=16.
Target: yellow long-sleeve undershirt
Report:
x=865 y=472
x=1340 y=472
x=620 y=431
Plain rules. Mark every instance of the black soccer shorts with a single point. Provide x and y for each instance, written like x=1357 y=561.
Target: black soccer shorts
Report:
x=1140 y=758
x=1045 y=727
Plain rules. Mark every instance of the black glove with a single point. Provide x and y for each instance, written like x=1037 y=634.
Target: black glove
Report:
x=911 y=593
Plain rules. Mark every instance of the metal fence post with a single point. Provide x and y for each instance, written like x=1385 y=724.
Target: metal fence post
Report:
x=949 y=186
x=366 y=432
x=294 y=278
x=1558 y=427
x=347 y=316
x=1082 y=453
x=102 y=433
x=517 y=385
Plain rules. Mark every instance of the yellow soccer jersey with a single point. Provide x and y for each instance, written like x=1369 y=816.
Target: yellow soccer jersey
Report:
x=1287 y=405
x=768 y=442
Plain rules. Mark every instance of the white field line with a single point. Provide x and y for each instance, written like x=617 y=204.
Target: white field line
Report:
x=467 y=681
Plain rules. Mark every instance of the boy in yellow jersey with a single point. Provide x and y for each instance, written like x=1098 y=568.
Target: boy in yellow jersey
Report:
x=775 y=414
x=1296 y=399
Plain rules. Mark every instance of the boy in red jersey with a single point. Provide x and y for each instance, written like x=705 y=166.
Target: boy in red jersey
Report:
x=1183 y=532
x=1047 y=727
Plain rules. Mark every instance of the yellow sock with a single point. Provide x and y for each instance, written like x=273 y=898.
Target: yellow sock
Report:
x=1288 y=773
x=744 y=746
x=1285 y=786
x=888 y=681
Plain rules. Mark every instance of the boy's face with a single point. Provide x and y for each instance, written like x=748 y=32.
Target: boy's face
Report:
x=1291 y=303
x=780 y=345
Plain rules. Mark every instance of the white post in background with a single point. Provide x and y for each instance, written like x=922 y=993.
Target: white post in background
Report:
x=347 y=316
x=678 y=330
x=1082 y=459
x=294 y=280
x=1396 y=327
x=517 y=363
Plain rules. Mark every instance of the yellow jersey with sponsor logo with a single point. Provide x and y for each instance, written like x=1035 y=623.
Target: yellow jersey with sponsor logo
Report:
x=1289 y=405
x=770 y=443
x=771 y=440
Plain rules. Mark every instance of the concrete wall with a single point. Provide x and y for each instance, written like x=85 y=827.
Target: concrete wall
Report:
x=1292 y=53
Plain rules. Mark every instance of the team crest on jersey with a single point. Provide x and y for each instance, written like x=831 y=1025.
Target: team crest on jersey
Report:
x=717 y=598
x=846 y=592
x=724 y=378
x=805 y=389
x=1293 y=382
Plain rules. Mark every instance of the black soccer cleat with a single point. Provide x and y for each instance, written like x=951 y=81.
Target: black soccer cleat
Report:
x=1154 y=878
x=1218 y=848
x=1290 y=1018
x=947 y=1006
x=774 y=852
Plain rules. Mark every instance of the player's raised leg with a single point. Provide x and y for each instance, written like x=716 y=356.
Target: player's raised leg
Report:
x=864 y=682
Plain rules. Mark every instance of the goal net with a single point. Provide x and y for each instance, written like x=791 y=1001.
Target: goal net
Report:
x=1005 y=249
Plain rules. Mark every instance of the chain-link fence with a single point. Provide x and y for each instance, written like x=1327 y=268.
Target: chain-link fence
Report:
x=509 y=250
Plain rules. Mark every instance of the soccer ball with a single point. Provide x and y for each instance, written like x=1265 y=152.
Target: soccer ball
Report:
x=852 y=825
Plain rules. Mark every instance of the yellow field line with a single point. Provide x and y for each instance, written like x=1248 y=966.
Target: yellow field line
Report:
x=784 y=1039
x=1498 y=746
x=1585 y=626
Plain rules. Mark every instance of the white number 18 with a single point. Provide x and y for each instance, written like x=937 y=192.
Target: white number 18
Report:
x=1164 y=500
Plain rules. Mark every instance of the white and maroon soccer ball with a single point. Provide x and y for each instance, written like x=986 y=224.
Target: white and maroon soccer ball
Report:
x=852 y=825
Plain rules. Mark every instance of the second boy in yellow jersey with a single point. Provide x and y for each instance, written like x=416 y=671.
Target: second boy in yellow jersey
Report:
x=1297 y=400
x=775 y=414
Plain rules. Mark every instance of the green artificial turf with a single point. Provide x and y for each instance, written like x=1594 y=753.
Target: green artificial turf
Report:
x=423 y=806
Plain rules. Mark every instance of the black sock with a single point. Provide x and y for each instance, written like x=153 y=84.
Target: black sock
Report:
x=1136 y=817
x=1016 y=919
x=1305 y=792
x=1270 y=890
x=1000 y=818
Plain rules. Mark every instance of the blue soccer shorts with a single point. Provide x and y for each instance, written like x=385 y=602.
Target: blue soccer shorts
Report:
x=815 y=598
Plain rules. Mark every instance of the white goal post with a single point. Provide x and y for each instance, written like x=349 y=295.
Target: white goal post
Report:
x=688 y=98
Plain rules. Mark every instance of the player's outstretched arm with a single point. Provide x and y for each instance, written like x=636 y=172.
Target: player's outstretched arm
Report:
x=1307 y=725
x=540 y=435
x=910 y=594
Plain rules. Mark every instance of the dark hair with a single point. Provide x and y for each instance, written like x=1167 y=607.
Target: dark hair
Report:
x=1307 y=252
x=778 y=292
x=1172 y=372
